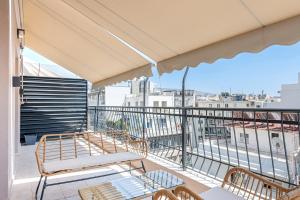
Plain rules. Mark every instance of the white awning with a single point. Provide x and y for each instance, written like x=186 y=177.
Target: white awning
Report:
x=283 y=33
x=70 y=39
x=174 y=33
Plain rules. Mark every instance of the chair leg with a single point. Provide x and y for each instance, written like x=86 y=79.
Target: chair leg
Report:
x=130 y=167
x=38 y=187
x=143 y=166
x=44 y=187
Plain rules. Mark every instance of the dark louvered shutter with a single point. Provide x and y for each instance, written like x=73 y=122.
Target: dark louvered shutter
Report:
x=53 y=105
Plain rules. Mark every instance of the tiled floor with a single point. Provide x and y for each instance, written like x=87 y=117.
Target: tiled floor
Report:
x=27 y=176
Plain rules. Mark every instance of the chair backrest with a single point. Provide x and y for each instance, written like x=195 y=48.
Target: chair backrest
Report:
x=65 y=146
x=184 y=193
x=180 y=193
x=110 y=141
x=249 y=185
x=119 y=141
x=164 y=195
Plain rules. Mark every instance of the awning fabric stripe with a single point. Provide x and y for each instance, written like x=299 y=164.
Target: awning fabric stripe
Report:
x=80 y=35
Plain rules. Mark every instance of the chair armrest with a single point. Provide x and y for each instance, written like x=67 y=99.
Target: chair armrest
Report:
x=164 y=195
x=185 y=193
x=40 y=153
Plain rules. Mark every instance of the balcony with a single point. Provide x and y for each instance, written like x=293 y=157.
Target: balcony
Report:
x=198 y=145
x=107 y=42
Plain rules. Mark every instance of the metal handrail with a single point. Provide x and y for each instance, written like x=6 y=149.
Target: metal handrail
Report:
x=215 y=134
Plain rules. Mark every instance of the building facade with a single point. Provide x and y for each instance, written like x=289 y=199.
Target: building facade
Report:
x=289 y=96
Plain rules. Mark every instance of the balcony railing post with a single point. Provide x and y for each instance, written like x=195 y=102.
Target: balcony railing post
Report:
x=184 y=120
x=144 y=109
x=183 y=139
x=96 y=113
x=95 y=119
x=86 y=107
x=122 y=118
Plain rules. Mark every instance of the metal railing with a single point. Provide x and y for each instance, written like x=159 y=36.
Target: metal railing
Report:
x=211 y=140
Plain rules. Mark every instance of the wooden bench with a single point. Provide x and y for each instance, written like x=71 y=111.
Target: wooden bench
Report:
x=65 y=153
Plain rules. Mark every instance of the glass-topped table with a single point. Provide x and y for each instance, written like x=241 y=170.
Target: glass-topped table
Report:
x=133 y=187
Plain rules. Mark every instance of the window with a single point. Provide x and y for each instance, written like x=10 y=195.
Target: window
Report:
x=218 y=105
x=128 y=104
x=142 y=103
x=226 y=105
x=210 y=105
x=155 y=103
x=164 y=104
x=243 y=137
x=196 y=104
x=275 y=135
x=136 y=103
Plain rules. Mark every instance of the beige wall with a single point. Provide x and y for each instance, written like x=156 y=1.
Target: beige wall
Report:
x=9 y=107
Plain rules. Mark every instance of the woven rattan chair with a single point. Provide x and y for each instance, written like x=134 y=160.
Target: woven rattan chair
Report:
x=65 y=153
x=238 y=184
x=164 y=195
x=181 y=192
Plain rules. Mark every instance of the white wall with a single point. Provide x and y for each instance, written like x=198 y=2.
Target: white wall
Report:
x=8 y=96
x=136 y=83
x=115 y=95
x=133 y=100
x=290 y=96
x=136 y=100
x=160 y=98
x=291 y=140
x=4 y=99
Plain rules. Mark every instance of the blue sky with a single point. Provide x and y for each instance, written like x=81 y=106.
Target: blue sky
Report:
x=245 y=73
x=47 y=64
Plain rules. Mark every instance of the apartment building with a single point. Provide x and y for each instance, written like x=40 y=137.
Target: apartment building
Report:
x=265 y=138
x=289 y=96
x=113 y=95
